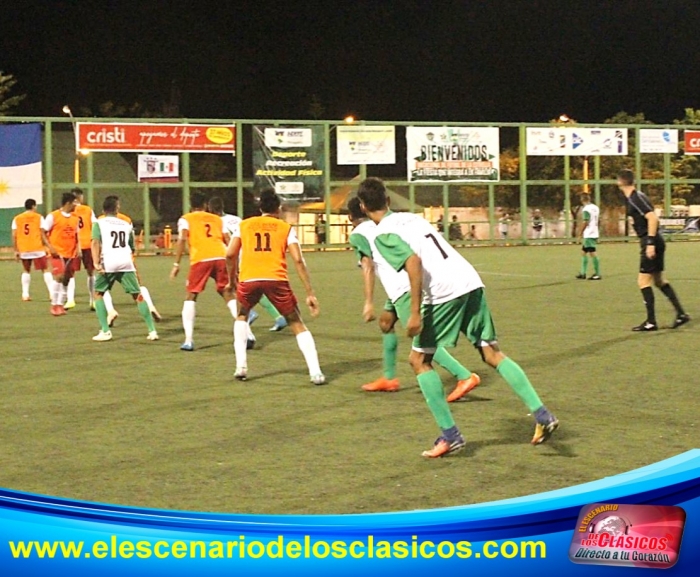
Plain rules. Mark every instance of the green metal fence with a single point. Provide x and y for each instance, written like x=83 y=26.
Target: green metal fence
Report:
x=464 y=212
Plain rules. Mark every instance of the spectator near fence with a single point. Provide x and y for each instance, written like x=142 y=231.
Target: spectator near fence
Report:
x=537 y=224
x=321 y=230
x=503 y=224
x=455 y=230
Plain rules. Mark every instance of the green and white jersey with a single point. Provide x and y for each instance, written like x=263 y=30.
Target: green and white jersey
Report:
x=117 y=238
x=446 y=273
x=395 y=283
x=591 y=216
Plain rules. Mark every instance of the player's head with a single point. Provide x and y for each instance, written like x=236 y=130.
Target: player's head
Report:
x=30 y=204
x=372 y=195
x=355 y=211
x=111 y=204
x=78 y=192
x=198 y=201
x=216 y=205
x=585 y=198
x=269 y=202
x=454 y=218
x=625 y=178
x=68 y=201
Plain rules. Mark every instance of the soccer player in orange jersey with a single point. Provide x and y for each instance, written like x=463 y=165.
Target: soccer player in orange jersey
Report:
x=86 y=218
x=62 y=229
x=204 y=232
x=112 y=313
x=262 y=243
x=30 y=244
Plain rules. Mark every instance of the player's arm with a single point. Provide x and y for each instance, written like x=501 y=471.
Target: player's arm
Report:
x=183 y=235
x=586 y=220
x=652 y=226
x=96 y=247
x=232 y=253
x=363 y=250
x=14 y=239
x=303 y=272
x=400 y=255
x=45 y=230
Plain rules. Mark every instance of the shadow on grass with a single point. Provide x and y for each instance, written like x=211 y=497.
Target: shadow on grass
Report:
x=589 y=349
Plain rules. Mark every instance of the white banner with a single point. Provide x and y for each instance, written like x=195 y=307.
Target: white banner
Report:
x=158 y=167
x=658 y=140
x=288 y=137
x=366 y=145
x=453 y=154
x=574 y=141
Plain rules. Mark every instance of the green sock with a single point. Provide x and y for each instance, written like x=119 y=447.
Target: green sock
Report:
x=596 y=264
x=101 y=311
x=518 y=381
x=269 y=307
x=391 y=344
x=431 y=387
x=451 y=365
x=146 y=315
x=584 y=265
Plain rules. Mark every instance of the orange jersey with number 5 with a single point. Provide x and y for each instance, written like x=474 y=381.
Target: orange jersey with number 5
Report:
x=29 y=232
x=206 y=235
x=264 y=243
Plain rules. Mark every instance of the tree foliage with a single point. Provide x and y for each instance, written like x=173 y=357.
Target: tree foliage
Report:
x=8 y=101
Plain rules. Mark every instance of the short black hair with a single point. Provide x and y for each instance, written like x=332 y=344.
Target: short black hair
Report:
x=67 y=197
x=110 y=204
x=77 y=191
x=372 y=193
x=355 y=209
x=198 y=199
x=216 y=205
x=269 y=201
x=585 y=197
x=626 y=176
x=29 y=204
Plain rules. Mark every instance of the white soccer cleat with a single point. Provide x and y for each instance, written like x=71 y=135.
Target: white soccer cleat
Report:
x=111 y=317
x=102 y=337
x=241 y=373
x=319 y=379
x=152 y=336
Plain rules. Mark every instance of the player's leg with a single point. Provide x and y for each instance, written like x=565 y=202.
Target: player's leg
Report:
x=665 y=287
x=103 y=284
x=26 y=278
x=112 y=313
x=196 y=281
x=645 y=281
x=594 y=257
x=248 y=294
x=57 y=266
x=280 y=322
x=220 y=276
x=70 y=286
x=90 y=270
x=41 y=264
x=388 y=381
x=130 y=284
x=584 y=264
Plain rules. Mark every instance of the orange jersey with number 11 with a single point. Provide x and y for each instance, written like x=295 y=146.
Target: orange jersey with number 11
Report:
x=264 y=249
x=206 y=235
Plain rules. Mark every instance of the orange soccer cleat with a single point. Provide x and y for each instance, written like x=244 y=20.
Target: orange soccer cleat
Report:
x=443 y=447
x=463 y=387
x=382 y=385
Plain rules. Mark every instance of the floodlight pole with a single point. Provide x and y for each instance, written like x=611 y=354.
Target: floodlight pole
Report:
x=76 y=162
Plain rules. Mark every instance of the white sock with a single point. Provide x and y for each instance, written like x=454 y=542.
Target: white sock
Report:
x=240 y=343
x=307 y=346
x=109 y=303
x=26 y=279
x=56 y=290
x=91 y=287
x=250 y=336
x=188 y=314
x=48 y=279
x=147 y=297
x=71 y=290
x=233 y=307
x=62 y=295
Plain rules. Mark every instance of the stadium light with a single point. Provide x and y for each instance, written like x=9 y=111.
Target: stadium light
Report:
x=84 y=151
x=76 y=164
x=564 y=118
x=349 y=119
x=67 y=110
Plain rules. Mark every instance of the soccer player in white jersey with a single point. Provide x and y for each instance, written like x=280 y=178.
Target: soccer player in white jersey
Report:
x=447 y=298
x=590 y=234
x=112 y=252
x=397 y=307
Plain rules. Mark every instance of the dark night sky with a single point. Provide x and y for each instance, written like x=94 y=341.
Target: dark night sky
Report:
x=420 y=60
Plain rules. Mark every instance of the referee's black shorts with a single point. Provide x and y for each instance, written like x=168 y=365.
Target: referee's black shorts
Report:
x=653 y=265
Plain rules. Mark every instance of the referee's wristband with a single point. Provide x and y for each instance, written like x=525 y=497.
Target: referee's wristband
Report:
x=648 y=240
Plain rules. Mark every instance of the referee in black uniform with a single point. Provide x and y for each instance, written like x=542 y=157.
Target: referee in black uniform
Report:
x=653 y=250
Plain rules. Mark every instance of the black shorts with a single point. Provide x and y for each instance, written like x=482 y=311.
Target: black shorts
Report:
x=653 y=265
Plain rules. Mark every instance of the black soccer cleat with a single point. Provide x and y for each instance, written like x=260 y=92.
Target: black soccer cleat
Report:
x=646 y=327
x=680 y=321
x=581 y=276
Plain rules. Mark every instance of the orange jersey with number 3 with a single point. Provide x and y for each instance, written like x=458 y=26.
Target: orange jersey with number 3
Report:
x=84 y=214
x=206 y=236
x=264 y=249
x=29 y=232
x=63 y=234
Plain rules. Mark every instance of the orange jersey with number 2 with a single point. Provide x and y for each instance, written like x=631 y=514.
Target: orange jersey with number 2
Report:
x=206 y=236
x=264 y=249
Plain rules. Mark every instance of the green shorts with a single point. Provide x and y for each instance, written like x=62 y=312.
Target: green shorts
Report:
x=401 y=307
x=128 y=280
x=589 y=244
x=442 y=324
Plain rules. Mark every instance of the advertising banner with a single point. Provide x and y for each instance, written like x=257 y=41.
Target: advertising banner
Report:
x=655 y=140
x=574 y=141
x=464 y=154
x=290 y=160
x=692 y=141
x=366 y=145
x=144 y=137
x=158 y=168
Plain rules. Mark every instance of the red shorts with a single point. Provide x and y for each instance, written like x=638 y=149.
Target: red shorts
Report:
x=39 y=263
x=63 y=265
x=201 y=272
x=87 y=262
x=278 y=291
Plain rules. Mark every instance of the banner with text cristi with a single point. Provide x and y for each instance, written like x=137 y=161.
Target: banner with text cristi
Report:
x=456 y=154
x=152 y=137
x=290 y=160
